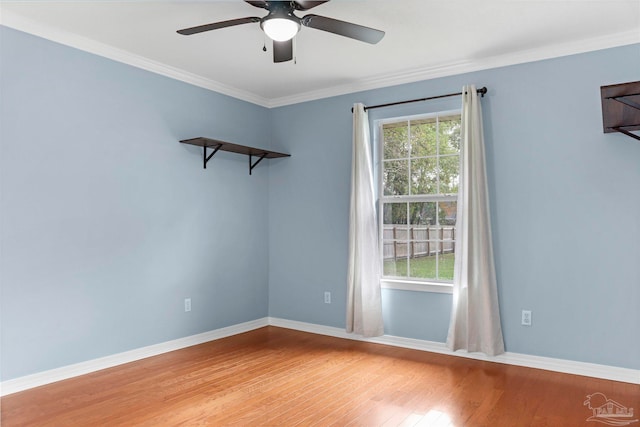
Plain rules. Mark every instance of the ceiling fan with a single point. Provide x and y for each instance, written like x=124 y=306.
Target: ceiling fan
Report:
x=281 y=25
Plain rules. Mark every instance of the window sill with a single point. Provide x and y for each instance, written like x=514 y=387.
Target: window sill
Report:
x=409 y=285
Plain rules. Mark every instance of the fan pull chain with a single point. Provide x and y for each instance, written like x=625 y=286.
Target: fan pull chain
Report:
x=295 y=51
x=264 y=42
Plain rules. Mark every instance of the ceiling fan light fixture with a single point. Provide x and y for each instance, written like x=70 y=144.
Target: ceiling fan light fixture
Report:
x=280 y=29
x=282 y=24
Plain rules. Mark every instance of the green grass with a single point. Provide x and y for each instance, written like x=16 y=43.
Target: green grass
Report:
x=423 y=267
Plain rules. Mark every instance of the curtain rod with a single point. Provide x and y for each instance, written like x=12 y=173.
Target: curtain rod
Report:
x=480 y=91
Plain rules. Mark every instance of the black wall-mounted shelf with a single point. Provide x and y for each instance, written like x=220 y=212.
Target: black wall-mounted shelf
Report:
x=621 y=108
x=217 y=145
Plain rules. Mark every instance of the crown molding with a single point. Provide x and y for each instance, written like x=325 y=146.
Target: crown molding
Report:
x=461 y=67
x=17 y=22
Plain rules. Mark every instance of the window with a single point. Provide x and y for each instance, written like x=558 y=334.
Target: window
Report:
x=418 y=201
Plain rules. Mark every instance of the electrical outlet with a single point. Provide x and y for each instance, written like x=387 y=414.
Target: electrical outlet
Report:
x=526 y=317
x=327 y=297
x=187 y=304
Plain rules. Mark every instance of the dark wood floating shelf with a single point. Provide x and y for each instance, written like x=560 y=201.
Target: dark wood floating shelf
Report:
x=217 y=145
x=621 y=108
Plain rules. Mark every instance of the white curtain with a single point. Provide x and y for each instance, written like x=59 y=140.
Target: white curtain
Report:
x=364 y=306
x=475 y=317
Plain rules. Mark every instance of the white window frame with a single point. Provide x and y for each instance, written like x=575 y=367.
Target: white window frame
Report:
x=410 y=284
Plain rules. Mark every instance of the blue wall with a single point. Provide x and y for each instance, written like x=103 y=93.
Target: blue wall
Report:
x=565 y=199
x=108 y=223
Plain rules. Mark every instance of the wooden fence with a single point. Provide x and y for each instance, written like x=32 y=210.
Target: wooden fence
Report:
x=400 y=241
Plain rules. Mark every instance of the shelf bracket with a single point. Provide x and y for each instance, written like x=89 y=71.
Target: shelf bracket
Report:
x=621 y=108
x=205 y=158
x=626 y=132
x=253 y=165
x=623 y=99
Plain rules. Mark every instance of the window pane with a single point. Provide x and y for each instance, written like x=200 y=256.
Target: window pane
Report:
x=396 y=247
x=424 y=177
x=423 y=138
x=447 y=236
x=422 y=213
x=449 y=135
x=449 y=174
x=396 y=175
x=445 y=266
x=394 y=239
x=447 y=213
x=396 y=140
x=395 y=267
x=393 y=214
x=421 y=216
x=423 y=267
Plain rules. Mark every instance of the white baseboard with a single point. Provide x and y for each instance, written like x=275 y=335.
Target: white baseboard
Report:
x=547 y=363
x=65 y=372
x=538 y=362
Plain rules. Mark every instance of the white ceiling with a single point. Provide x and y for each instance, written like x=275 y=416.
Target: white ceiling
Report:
x=424 y=39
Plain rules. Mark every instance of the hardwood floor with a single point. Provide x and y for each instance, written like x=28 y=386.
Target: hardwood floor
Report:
x=279 y=377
